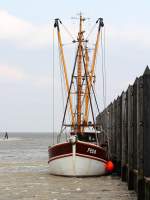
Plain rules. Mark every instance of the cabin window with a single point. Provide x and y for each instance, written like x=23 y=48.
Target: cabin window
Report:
x=87 y=137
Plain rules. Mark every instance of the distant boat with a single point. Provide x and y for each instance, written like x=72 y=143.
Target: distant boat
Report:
x=81 y=154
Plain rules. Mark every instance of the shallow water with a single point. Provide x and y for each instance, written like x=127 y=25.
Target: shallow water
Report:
x=24 y=175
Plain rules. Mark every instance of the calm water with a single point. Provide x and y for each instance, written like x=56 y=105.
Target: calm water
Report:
x=23 y=150
x=24 y=174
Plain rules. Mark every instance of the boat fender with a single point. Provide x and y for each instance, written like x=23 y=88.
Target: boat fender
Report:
x=109 y=166
x=73 y=139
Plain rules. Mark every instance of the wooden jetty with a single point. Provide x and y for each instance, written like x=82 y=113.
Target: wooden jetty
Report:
x=126 y=123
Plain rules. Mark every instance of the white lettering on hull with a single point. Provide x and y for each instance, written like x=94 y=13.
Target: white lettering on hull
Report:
x=92 y=151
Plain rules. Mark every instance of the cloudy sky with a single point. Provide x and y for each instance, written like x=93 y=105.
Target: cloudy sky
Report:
x=26 y=44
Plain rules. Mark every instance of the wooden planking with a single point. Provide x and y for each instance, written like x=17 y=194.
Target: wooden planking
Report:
x=127 y=123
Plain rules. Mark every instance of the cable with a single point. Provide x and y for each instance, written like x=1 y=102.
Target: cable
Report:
x=104 y=87
x=69 y=33
x=91 y=31
x=61 y=80
x=53 y=84
x=72 y=76
x=103 y=73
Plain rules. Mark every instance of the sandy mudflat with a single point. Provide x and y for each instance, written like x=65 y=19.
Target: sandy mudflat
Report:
x=33 y=185
x=24 y=175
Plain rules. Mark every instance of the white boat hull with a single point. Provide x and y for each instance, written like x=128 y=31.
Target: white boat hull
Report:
x=78 y=166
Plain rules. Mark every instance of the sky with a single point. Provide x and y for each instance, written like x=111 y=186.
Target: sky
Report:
x=26 y=43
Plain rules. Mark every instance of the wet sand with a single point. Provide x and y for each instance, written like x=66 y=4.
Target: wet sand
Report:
x=24 y=175
x=24 y=181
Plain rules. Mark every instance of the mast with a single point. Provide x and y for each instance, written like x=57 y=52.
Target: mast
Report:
x=79 y=76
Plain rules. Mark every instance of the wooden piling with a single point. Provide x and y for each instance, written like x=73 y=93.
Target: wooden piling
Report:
x=130 y=138
x=111 y=129
x=135 y=171
x=124 y=150
x=114 y=131
x=147 y=188
x=140 y=139
x=118 y=135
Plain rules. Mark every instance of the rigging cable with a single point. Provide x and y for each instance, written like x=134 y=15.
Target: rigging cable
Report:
x=72 y=76
x=105 y=74
x=61 y=80
x=88 y=88
x=63 y=93
x=103 y=71
x=106 y=132
x=53 y=83
x=91 y=31
x=95 y=99
x=69 y=33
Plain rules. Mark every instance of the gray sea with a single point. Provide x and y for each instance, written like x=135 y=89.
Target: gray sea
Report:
x=24 y=174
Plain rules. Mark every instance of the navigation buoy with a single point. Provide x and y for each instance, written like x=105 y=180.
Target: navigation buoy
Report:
x=109 y=166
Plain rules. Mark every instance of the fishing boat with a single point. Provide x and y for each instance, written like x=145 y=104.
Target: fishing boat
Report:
x=80 y=154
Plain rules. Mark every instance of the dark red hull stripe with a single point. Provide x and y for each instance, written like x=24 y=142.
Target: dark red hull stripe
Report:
x=91 y=150
x=77 y=154
x=61 y=144
x=60 y=149
x=82 y=148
